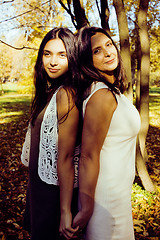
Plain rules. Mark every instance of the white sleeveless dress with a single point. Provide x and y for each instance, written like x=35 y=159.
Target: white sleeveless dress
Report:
x=112 y=215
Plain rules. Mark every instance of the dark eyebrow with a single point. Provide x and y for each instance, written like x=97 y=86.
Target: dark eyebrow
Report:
x=46 y=51
x=108 y=41
x=96 y=48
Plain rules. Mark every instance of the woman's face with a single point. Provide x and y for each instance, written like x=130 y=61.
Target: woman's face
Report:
x=54 y=59
x=104 y=53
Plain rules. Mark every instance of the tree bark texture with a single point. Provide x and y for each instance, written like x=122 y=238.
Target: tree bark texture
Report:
x=80 y=15
x=138 y=58
x=105 y=15
x=124 y=42
x=142 y=170
x=144 y=72
x=144 y=95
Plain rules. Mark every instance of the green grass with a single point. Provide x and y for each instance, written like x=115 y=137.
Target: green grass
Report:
x=154 y=90
x=12 y=103
x=9 y=88
x=10 y=98
x=15 y=88
x=13 y=107
x=154 y=107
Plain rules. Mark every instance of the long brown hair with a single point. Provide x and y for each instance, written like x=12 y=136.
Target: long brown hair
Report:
x=68 y=80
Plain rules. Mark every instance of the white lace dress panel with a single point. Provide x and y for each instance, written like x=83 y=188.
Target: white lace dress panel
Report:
x=48 y=147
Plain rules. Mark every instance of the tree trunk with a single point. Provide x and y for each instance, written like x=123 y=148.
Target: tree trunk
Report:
x=79 y=18
x=138 y=57
x=80 y=15
x=144 y=72
x=105 y=15
x=124 y=42
x=142 y=170
x=144 y=95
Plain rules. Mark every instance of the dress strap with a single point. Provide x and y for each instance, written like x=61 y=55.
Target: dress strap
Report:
x=94 y=88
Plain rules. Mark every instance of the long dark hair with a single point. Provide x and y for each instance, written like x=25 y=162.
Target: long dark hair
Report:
x=41 y=77
x=89 y=73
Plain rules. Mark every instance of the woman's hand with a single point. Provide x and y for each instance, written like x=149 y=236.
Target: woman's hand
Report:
x=65 y=225
x=83 y=216
x=81 y=219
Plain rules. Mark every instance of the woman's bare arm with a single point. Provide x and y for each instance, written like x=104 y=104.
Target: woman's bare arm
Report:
x=67 y=135
x=98 y=115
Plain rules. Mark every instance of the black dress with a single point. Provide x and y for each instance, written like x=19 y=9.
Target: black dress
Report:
x=42 y=213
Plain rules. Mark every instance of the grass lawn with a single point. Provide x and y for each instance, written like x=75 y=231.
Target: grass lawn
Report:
x=13 y=106
x=10 y=98
x=154 y=108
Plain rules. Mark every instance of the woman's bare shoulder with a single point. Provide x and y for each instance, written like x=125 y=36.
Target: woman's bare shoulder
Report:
x=66 y=96
x=103 y=98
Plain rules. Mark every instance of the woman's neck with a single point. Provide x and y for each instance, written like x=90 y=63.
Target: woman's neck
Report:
x=109 y=78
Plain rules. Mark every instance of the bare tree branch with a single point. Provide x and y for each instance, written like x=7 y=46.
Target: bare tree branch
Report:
x=30 y=26
x=17 y=48
x=69 y=6
x=8 y=19
x=80 y=15
x=105 y=15
x=133 y=21
x=98 y=8
x=35 y=7
x=6 y=2
x=68 y=10
x=21 y=14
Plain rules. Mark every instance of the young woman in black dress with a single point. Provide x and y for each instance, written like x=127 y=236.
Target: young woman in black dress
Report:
x=51 y=147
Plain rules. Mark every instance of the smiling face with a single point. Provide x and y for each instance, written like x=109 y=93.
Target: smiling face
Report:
x=54 y=59
x=105 y=56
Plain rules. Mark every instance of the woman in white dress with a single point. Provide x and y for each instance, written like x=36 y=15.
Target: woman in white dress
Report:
x=110 y=127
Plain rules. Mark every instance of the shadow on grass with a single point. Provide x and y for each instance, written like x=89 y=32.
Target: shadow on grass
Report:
x=154 y=110
x=154 y=90
x=13 y=108
x=154 y=100
x=8 y=91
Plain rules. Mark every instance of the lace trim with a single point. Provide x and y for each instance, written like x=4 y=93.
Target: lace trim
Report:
x=48 y=155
